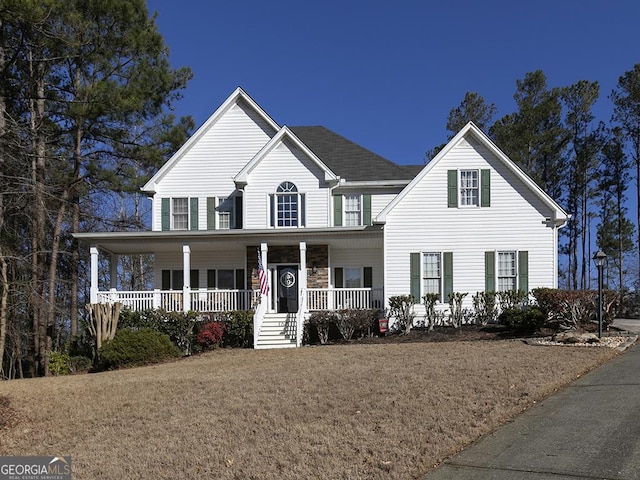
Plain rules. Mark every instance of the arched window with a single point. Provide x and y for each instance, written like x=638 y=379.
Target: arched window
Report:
x=287 y=205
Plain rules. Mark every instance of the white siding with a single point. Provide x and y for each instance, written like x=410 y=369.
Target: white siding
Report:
x=359 y=257
x=286 y=163
x=423 y=222
x=208 y=167
x=379 y=201
x=229 y=259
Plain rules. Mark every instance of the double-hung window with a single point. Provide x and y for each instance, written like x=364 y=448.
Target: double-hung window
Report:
x=180 y=213
x=352 y=210
x=507 y=271
x=469 y=188
x=431 y=273
x=225 y=210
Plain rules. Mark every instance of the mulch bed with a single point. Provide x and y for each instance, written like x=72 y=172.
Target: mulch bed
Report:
x=442 y=334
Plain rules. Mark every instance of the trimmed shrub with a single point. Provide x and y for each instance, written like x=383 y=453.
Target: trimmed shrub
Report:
x=322 y=320
x=401 y=310
x=59 y=363
x=431 y=315
x=238 y=330
x=522 y=320
x=179 y=326
x=510 y=299
x=210 y=335
x=455 y=304
x=572 y=308
x=136 y=347
x=484 y=306
x=350 y=321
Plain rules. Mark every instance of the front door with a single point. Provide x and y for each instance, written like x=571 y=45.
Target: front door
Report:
x=287 y=281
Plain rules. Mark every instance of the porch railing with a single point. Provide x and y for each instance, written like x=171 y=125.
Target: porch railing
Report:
x=229 y=300
x=173 y=300
x=339 y=298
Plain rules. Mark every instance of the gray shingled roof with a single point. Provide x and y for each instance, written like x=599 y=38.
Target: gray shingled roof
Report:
x=347 y=159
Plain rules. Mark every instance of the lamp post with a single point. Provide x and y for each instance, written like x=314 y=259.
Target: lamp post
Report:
x=599 y=258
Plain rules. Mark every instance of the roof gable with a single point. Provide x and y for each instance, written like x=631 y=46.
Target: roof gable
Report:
x=285 y=133
x=235 y=98
x=472 y=130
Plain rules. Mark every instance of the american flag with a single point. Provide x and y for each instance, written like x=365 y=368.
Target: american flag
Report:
x=262 y=276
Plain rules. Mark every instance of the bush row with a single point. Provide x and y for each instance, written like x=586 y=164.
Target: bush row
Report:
x=517 y=310
x=235 y=328
x=348 y=323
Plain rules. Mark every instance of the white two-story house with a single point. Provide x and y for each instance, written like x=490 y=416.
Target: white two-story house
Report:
x=332 y=224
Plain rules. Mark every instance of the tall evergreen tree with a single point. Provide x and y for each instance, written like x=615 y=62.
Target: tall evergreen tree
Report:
x=626 y=101
x=615 y=232
x=586 y=142
x=534 y=137
x=472 y=108
x=91 y=88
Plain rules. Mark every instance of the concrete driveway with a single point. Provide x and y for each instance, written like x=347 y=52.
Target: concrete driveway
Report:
x=588 y=430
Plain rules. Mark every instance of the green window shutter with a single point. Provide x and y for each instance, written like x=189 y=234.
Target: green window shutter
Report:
x=166 y=214
x=452 y=188
x=368 y=277
x=447 y=269
x=489 y=271
x=414 y=276
x=239 y=279
x=337 y=210
x=194 y=277
x=211 y=213
x=211 y=279
x=523 y=271
x=194 y=213
x=338 y=277
x=302 y=220
x=366 y=209
x=485 y=188
x=238 y=211
x=166 y=280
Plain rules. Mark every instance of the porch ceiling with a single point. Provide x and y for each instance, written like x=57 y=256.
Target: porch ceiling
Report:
x=123 y=243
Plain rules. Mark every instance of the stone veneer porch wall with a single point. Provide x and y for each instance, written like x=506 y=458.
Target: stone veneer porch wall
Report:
x=317 y=255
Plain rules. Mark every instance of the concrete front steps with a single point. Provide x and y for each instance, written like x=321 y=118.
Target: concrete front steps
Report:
x=278 y=331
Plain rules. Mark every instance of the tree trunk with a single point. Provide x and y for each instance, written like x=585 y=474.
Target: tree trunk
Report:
x=103 y=322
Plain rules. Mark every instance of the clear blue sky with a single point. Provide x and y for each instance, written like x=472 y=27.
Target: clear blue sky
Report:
x=385 y=74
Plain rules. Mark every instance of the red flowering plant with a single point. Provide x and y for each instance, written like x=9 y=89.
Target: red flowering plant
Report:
x=210 y=335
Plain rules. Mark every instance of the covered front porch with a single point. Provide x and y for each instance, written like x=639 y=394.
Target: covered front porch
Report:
x=218 y=272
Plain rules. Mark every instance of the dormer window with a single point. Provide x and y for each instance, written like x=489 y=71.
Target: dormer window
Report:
x=287 y=205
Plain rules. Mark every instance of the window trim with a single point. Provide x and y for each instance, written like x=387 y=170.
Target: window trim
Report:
x=477 y=188
x=173 y=213
x=274 y=206
x=230 y=200
x=422 y=273
x=360 y=210
x=516 y=271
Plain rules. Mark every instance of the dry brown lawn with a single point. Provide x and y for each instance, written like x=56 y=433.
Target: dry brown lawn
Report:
x=332 y=412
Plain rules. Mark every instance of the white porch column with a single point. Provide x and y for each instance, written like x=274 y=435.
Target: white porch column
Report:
x=113 y=275
x=264 y=248
x=186 y=275
x=93 y=290
x=303 y=266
